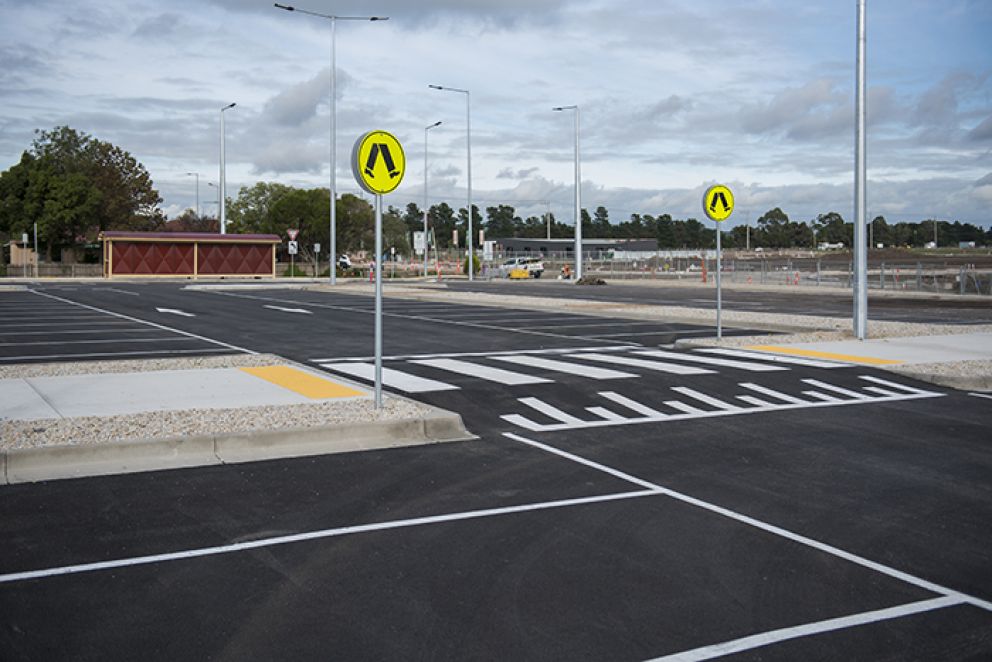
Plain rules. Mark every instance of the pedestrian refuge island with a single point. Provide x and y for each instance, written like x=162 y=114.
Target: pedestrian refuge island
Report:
x=188 y=254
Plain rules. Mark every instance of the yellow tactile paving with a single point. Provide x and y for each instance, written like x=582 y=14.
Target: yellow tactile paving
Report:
x=814 y=354
x=304 y=383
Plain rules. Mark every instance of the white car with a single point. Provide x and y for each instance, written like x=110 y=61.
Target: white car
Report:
x=533 y=265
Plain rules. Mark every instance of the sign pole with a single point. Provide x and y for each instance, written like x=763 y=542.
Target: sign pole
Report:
x=719 y=291
x=378 y=302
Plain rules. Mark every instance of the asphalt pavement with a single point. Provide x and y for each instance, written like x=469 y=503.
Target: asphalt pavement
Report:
x=624 y=501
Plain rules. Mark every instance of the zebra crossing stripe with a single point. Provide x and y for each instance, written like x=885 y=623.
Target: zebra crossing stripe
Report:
x=821 y=396
x=550 y=411
x=589 y=371
x=885 y=382
x=774 y=394
x=660 y=366
x=605 y=413
x=775 y=358
x=391 y=378
x=836 y=389
x=710 y=360
x=485 y=372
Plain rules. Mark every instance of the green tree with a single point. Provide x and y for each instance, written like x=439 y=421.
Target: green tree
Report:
x=501 y=221
x=665 y=232
x=250 y=213
x=601 y=224
x=73 y=186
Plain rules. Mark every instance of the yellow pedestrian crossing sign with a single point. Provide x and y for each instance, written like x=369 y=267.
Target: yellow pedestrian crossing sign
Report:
x=718 y=203
x=378 y=162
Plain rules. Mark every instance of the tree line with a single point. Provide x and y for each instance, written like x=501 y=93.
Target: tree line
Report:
x=74 y=186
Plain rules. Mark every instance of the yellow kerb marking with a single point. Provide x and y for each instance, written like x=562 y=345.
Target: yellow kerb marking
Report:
x=813 y=354
x=304 y=383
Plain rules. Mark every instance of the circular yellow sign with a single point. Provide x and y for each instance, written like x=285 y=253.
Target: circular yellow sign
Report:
x=718 y=202
x=378 y=162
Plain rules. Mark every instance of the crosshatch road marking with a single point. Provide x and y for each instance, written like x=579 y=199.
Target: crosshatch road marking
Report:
x=392 y=378
x=566 y=421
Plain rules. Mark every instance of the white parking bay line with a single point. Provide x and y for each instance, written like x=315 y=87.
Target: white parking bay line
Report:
x=710 y=360
x=660 y=366
x=488 y=373
x=589 y=371
x=391 y=378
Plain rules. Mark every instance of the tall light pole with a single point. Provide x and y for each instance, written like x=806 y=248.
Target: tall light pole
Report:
x=218 y=196
x=860 y=184
x=197 y=175
x=468 y=134
x=334 y=119
x=426 y=203
x=578 y=195
x=223 y=176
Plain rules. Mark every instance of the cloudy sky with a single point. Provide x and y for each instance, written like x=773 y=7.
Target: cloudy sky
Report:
x=674 y=95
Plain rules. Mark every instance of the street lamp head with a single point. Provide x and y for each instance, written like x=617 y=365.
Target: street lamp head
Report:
x=435 y=87
x=564 y=107
x=230 y=105
x=438 y=123
x=286 y=7
x=378 y=18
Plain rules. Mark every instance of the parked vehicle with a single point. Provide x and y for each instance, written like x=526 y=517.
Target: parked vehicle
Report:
x=533 y=265
x=344 y=262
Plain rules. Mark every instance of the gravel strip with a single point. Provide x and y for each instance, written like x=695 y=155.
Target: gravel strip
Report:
x=199 y=422
x=25 y=370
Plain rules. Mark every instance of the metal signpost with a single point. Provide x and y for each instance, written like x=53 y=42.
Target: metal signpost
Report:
x=378 y=164
x=718 y=205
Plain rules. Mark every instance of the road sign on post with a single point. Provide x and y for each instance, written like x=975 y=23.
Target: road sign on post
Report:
x=378 y=164
x=718 y=205
x=292 y=234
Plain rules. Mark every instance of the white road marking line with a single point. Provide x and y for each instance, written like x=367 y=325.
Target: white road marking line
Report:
x=980 y=395
x=605 y=413
x=74 y=331
x=757 y=402
x=775 y=358
x=549 y=410
x=808 y=629
x=455 y=355
x=175 y=311
x=765 y=526
x=836 y=389
x=315 y=535
x=683 y=407
x=691 y=412
x=141 y=321
x=485 y=372
x=659 y=366
x=729 y=363
x=106 y=341
x=631 y=404
x=774 y=394
x=702 y=397
x=111 y=289
x=75 y=324
x=880 y=391
x=147 y=352
x=613 y=324
x=885 y=382
x=50 y=318
x=289 y=310
x=392 y=378
x=823 y=396
x=589 y=371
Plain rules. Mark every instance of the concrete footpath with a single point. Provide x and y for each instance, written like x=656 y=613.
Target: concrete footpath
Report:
x=241 y=414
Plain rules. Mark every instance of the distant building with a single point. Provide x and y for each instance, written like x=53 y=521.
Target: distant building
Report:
x=966 y=244
x=597 y=248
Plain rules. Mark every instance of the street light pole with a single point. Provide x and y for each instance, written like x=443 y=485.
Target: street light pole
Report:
x=468 y=134
x=426 y=203
x=578 y=195
x=334 y=120
x=197 y=175
x=218 y=196
x=223 y=175
x=860 y=184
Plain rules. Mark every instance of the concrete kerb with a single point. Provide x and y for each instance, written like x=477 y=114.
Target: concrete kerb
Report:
x=57 y=462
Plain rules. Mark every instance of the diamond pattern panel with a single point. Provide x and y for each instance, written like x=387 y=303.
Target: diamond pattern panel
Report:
x=152 y=259
x=235 y=259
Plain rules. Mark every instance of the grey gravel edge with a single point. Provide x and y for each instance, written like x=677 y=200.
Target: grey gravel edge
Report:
x=26 y=465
